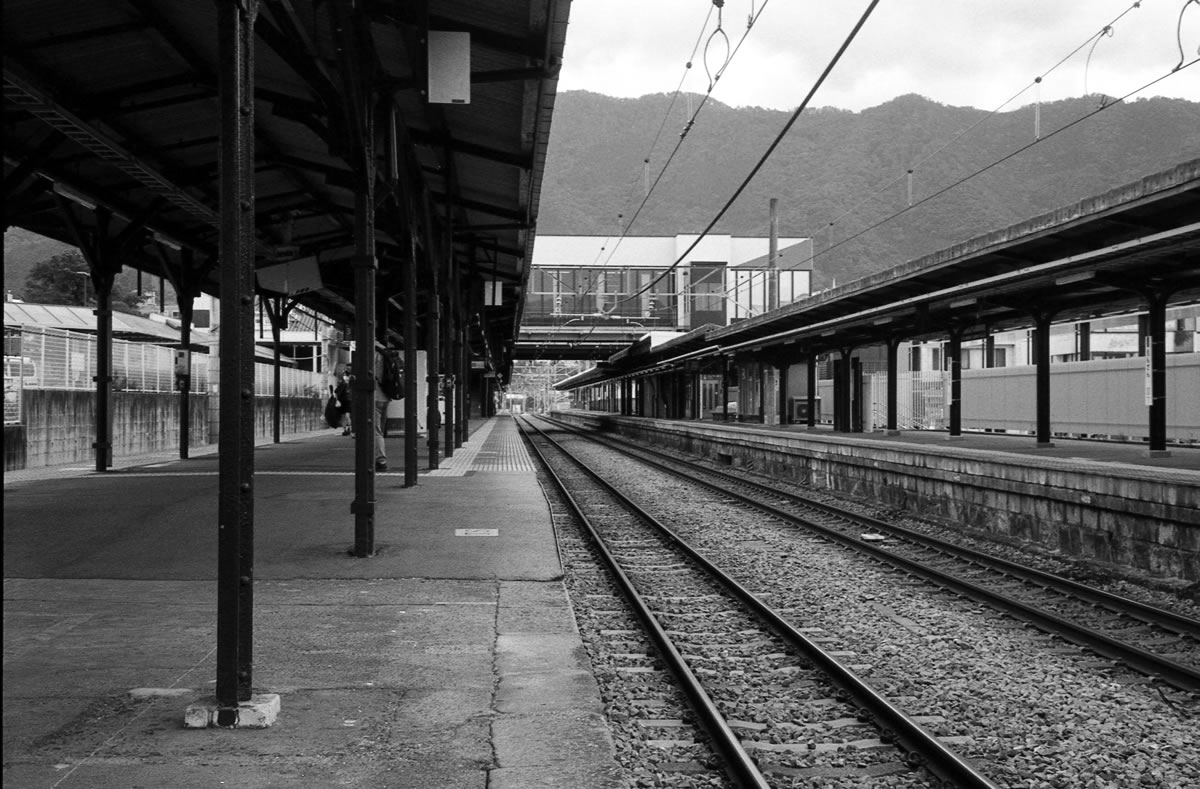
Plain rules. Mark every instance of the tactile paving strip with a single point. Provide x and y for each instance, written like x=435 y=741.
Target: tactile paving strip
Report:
x=494 y=447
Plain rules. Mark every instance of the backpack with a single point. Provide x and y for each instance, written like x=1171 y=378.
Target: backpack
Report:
x=391 y=378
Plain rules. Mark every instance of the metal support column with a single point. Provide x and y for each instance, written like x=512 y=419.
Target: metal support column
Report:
x=843 y=395
x=235 y=509
x=954 y=351
x=184 y=378
x=725 y=388
x=893 y=384
x=364 y=415
x=812 y=390
x=1156 y=365
x=185 y=295
x=102 y=257
x=103 y=282
x=856 y=396
x=410 y=362
x=464 y=385
x=433 y=378
x=451 y=363
x=1041 y=349
x=277 y=312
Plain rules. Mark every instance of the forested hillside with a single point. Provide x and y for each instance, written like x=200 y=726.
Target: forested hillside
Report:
x=834 y=166
x=849 y=169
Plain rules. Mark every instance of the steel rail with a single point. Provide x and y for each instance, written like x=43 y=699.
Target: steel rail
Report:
x=1177 y=675
x=740 y=765
x=894 y=724
x=1168 y=620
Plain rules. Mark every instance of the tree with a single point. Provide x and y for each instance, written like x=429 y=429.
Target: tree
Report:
x=64 y=279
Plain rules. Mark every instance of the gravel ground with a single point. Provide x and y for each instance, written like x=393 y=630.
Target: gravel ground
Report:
x=1037 y=713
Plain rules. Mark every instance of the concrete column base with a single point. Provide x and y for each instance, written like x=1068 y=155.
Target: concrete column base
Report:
x=257 y=713
x=892 y=432
x=955 y=438
x=1158 y=453
x=1044 y=445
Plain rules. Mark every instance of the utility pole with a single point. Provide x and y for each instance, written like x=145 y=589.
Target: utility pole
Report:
x=772 y=260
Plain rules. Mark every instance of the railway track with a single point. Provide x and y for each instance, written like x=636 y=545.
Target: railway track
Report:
x=733 y=655
x=1158 y=643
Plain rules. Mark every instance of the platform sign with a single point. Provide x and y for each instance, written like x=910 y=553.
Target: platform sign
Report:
x=1149 y=376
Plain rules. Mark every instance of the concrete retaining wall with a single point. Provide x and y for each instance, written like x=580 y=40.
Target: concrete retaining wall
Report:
x=59 y=425
x=1144 y=520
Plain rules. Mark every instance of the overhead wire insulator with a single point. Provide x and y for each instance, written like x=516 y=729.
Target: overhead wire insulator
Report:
x=1179 y=34
x=1106 y=31
x=714 y=75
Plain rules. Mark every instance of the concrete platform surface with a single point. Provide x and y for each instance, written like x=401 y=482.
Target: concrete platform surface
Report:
x=451 y=659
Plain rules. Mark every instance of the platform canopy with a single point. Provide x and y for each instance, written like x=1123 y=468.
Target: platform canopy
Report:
x=111 y=135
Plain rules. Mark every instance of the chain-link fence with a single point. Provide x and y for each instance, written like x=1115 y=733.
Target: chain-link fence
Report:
x=47 y=358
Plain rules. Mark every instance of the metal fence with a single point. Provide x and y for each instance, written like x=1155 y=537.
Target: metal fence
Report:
x=46 y=358
x=920 y=400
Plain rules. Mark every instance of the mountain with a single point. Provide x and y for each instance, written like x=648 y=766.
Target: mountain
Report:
x=837 y=173
x=833 y=166
x=22 y=250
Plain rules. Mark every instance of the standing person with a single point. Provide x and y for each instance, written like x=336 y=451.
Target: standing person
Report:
x=381 y=407
x=342 y=393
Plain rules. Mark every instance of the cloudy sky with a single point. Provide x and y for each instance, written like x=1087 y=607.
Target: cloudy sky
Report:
x=957 y=52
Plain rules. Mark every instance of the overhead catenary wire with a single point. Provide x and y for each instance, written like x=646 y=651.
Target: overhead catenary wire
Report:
x=691 y=121
x=1179 y=33
x=667 y=113
x=1005 y=158
x=1035 y=84
x=766 y=155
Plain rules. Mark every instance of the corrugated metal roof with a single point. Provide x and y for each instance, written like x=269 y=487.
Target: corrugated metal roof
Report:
x=71 y=318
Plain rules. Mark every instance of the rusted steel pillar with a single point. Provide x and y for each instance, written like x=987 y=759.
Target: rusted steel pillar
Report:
x=235 y=509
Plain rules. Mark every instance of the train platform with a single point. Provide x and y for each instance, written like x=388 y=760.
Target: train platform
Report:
x=1177 y=456
x=449 y=659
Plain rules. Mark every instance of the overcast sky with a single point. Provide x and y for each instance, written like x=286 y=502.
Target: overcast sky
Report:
x=977 y=53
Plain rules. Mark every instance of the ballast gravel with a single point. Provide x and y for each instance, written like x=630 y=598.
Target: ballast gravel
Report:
x=1032 y=712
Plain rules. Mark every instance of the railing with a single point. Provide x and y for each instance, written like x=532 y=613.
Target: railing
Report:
x=47 y=358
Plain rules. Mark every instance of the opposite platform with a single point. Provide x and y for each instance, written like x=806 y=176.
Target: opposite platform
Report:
x=450 y=659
